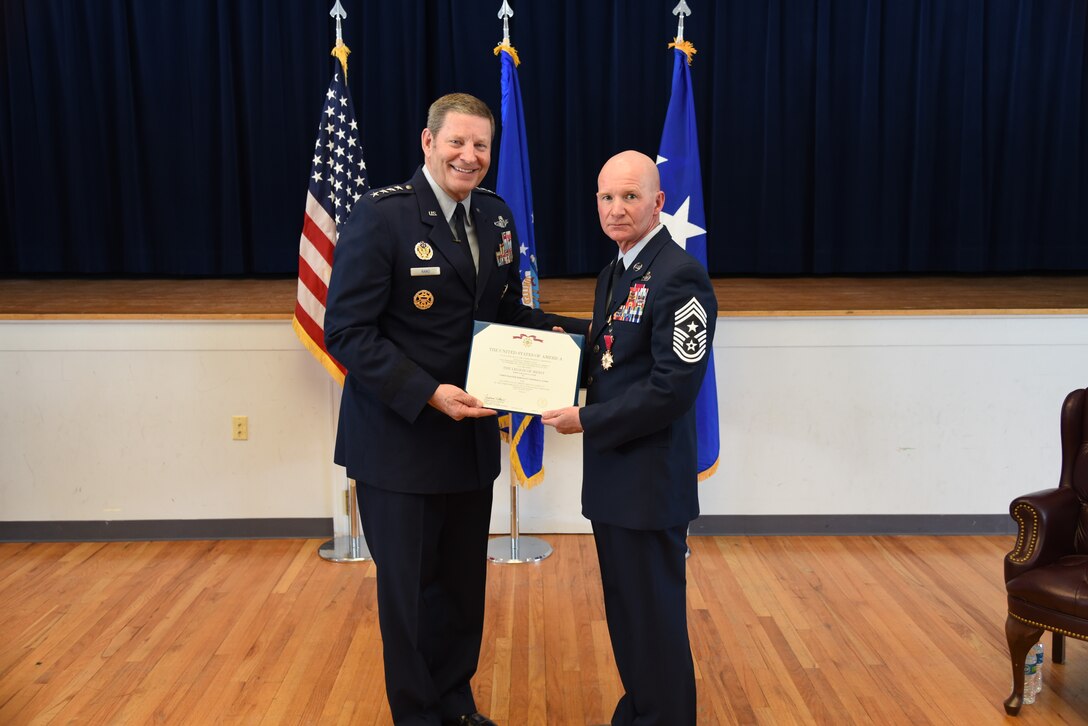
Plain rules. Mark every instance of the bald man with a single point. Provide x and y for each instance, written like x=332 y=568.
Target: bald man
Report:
x=653 y=323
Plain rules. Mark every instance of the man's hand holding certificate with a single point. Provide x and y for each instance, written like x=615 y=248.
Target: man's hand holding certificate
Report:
x=522 y=369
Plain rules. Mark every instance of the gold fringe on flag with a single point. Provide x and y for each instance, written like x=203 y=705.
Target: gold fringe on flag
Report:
x=684 y=46
x=509 y=49
x=524 y=481
x=315 y=349
x=341 y=52
x=704 y=475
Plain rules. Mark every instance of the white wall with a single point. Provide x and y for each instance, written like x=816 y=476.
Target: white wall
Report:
x=132 y=420
x=119 y=420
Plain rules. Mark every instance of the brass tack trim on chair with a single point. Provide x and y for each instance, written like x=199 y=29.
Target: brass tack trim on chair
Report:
x=1021 y=553
x=1051 y=628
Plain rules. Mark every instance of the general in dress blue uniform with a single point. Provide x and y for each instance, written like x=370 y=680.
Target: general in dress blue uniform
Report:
x=654 y=313
x=416 y=264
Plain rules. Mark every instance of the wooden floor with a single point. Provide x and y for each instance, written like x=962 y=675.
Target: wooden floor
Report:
x=275 y=299
x=785 y=630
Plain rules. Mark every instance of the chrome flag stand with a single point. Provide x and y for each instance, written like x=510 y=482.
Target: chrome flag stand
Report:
x=351 y=547
x=515 y=549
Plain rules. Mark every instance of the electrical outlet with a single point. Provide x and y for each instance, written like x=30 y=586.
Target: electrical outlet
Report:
x=239 y=427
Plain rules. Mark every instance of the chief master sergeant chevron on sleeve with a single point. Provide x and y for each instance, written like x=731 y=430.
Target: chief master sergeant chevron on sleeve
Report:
x=404 y=291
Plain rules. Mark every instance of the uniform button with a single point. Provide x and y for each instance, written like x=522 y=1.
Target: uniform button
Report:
x=596 y=349
x=589 y=381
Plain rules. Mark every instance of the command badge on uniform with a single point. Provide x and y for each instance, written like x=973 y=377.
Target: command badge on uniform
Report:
x=504 y=255
x=424 y=299
x=424 y=251
x=689 y=332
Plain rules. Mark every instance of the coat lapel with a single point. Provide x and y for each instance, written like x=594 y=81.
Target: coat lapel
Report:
x=441 y=236
x=487 y=237
x=639 y=269
x=599 y=294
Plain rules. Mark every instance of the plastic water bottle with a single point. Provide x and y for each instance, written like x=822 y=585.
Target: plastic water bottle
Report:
x=1030 y=669
x=1038 y=651
x=1033 y=673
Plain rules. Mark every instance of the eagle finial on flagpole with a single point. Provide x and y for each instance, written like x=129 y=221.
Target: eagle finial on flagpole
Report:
x=340 y=51
x=684 y=46
x=679 y=11
x=505 y=13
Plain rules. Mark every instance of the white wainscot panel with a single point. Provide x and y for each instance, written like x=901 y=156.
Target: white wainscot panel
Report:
x=878 y=415
x=899 y=415
x=132 y=420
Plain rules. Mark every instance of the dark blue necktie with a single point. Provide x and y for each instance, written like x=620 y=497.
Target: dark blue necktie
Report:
x=617 y=273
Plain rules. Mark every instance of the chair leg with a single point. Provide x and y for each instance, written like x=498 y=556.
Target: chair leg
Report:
x=1057 y=647
x=1021 y=637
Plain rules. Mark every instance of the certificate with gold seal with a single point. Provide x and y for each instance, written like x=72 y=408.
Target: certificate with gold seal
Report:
x=522 y=369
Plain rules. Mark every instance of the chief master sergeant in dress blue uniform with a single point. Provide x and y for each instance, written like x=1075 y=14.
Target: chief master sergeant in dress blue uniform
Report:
x=404 y=291
x=653 y=322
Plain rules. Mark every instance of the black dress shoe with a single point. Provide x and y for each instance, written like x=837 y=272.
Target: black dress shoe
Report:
x=472 y=719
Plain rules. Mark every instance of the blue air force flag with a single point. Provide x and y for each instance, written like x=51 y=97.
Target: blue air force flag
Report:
x=682 y=182
x=525 y=433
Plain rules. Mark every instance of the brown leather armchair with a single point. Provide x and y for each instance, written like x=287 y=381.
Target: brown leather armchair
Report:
x=1046 y=574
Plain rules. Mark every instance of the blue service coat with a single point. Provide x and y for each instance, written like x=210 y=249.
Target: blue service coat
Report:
x=639 y=445
x=400 y=330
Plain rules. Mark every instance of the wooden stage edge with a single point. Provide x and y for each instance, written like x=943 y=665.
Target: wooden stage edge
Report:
x=274 y=299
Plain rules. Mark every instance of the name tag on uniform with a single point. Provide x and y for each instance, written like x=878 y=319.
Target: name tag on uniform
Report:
x=425 y=271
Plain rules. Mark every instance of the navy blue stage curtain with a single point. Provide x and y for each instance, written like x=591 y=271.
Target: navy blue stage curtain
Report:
x=173 y=137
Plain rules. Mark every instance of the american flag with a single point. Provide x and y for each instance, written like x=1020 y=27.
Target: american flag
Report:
x=337 y=182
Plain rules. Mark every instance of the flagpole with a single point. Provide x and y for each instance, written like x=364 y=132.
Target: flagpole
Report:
x=352 y=546
x=514 y=549
x=683 y=46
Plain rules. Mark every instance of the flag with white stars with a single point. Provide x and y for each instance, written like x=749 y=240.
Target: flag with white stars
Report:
x=525 y=433
x=337 y=182
x=682 y=182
